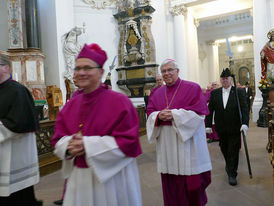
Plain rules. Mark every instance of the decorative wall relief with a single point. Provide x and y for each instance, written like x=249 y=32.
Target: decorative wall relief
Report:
x=136 y=51
x=31 y=70
x=99 y=4
x=15 y=24
x=16 y=71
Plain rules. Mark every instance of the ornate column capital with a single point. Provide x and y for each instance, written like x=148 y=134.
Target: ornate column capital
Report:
x=178 y=9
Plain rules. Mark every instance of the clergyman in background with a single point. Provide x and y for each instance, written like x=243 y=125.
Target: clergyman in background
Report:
x=19 y=169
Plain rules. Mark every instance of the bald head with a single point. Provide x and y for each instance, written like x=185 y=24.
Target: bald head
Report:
x=159 y=80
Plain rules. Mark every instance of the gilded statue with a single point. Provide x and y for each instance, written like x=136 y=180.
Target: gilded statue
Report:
x=132 y=39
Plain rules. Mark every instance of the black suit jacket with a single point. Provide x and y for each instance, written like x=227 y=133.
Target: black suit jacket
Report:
x=227 y=120
x=248 y=95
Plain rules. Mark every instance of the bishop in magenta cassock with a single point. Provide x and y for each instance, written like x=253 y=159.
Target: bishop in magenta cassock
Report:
x=176 y=124
x=96 y=135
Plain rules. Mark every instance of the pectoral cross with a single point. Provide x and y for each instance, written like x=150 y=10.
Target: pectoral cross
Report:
x=80 y=128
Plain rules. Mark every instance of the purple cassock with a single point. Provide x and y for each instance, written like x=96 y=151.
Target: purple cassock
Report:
x=213 y=135
x=77 y=92
x=187 y=190
x=154 y=90
x=183 y=99
x=207 y=95
x=102 y=112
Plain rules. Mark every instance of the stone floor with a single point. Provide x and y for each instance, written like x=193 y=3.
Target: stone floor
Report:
x=258 y=191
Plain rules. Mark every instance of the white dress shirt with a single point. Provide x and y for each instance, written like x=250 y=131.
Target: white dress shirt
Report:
x=225 y=95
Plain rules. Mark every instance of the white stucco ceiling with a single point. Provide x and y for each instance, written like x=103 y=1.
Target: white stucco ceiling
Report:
x=206 y=9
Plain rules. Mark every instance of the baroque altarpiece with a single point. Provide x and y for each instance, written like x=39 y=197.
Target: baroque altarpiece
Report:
x=136 y=51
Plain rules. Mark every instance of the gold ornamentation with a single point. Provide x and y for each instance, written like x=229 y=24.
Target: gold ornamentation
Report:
x=136 y=92
x=168 y=104
x=147 y=46
x=137 y=73
x=132 y=39
x=143 y=12
x=13 y=3
x=130 y=12
x=149 y=73
x=148 y=59
x=148 y=52
x=144 y=28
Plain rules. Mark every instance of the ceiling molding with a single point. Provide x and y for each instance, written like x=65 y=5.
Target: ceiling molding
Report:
x=224 y=14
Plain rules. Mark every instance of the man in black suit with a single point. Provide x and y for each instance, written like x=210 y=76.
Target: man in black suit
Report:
x=248 y=93
x=227 y=122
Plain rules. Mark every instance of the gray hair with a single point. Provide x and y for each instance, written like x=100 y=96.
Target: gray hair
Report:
x=169 y=61
x=5 y=60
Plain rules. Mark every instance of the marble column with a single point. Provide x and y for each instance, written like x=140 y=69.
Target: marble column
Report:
x=213 y=62
x=180 y=47
x=261 y=26
x=32 y=24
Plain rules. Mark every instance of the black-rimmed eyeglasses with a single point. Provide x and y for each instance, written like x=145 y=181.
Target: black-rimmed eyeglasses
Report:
x=169 y=70
x=85 y=68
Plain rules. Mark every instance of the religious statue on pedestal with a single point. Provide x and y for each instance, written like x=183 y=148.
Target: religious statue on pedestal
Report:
x=267 y=64
x=267 y=57
x=71 y=48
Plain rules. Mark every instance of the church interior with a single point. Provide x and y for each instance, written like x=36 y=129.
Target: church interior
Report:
x=43 y=38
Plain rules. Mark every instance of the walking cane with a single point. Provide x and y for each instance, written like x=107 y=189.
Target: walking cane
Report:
x=244 y=137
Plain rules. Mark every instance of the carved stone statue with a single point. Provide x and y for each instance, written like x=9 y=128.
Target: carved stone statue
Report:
x=71 y=48
x=267 y=56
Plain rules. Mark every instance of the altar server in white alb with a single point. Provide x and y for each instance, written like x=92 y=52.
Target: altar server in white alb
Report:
x=19 y=169
x=96 y=135
x=176 y=124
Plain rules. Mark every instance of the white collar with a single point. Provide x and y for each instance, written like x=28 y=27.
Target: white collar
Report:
x=226 y=90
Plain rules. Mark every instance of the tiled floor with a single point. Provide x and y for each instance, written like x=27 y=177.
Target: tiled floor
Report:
x=258 y=191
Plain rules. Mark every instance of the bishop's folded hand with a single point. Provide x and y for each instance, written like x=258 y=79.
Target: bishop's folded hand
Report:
x=76 y=145
x=165 y=115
